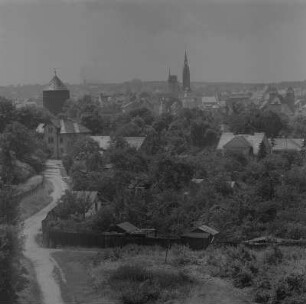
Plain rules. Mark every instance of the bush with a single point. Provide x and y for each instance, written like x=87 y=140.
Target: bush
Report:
x=273 y=256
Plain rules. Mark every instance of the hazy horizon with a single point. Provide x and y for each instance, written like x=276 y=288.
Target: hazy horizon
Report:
x=111 y=41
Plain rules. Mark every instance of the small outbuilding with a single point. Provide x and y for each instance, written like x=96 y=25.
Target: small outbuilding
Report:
x=200 y=237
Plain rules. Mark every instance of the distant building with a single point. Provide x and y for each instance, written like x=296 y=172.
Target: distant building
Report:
x=244 y=143
x=186 y=75
x=61 y=134
x=209 y=102
x=278 y=104
x=55 y=95
x=173 y=85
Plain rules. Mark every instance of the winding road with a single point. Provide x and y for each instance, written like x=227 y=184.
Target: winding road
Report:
x=41 y=258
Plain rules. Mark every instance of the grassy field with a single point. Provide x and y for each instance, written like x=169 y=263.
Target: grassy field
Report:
x=139 y=275
x=33 y=203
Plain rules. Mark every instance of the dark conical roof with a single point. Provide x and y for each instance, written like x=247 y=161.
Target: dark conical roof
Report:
x=56 y=85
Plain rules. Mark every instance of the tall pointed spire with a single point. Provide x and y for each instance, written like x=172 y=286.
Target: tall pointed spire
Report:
x=186 y=74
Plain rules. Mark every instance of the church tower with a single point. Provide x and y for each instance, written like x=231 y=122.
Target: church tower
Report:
x=186 y=75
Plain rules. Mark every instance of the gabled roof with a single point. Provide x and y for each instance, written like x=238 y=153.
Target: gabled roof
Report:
x=238 y=141
x=287 y=144
x=206 y=229
x=227 y=139
x=55 y=85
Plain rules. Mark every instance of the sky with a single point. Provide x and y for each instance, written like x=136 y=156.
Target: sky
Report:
x=120 y=40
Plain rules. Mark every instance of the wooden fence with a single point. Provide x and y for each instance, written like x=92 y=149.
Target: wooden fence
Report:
x=53 y=237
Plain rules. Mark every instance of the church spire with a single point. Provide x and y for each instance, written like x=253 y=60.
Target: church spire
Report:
x=186 y=74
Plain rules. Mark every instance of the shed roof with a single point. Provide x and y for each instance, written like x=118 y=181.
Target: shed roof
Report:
x=206 y=229
x=127 y=227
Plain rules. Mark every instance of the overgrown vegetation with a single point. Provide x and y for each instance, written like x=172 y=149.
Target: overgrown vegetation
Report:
x=275 y=275
x=22 y=154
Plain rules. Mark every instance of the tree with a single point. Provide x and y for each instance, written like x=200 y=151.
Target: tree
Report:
x=31 y=116
x=170 y=174
x=7 y=113
x=18 y=139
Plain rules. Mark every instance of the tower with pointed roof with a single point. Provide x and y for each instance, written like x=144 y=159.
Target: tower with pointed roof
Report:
x=55 y=95
x=186 y=75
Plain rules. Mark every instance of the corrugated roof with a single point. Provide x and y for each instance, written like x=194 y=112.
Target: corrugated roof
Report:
x=55 y=85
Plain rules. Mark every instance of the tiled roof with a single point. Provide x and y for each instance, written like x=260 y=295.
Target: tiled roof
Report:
x=285 y=144
x=105 y=141
x=66 y=127
x=56 y=85
x=254 y=140
x=71 y=127
x=209 y=99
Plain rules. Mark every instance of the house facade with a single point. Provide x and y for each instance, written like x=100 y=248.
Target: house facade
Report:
x=61 y=134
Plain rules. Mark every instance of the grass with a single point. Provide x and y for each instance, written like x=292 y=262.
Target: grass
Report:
x=140 y=285
x=33 y=203
x=138 y=274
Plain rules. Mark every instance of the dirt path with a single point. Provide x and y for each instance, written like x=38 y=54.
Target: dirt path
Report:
x=41 y=257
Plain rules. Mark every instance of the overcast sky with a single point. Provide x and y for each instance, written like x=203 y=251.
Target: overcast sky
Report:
x=118 y=40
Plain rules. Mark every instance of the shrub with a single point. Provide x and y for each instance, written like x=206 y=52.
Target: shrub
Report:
x=262 y=296
x=243 y=278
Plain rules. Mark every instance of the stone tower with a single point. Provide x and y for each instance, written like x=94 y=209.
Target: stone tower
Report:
x=55 y=95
